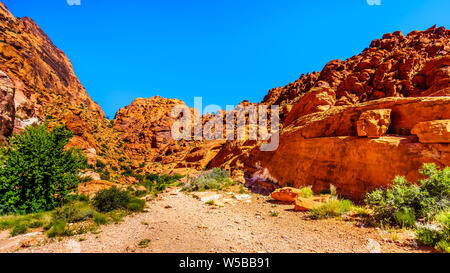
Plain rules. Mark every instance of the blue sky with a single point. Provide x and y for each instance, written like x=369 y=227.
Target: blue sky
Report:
x=223 y=50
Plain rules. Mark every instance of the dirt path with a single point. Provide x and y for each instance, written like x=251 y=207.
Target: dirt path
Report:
x=180 y=223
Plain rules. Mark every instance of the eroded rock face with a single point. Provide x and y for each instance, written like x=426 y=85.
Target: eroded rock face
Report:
x=7 y=111
x=394 y=66
x=322 y=114
x=145 y=127
x=354 y=165
x=436 y=131
x=374 y=123
x=47 y=89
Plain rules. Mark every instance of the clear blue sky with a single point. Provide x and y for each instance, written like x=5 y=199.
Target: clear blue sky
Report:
x=223 y=50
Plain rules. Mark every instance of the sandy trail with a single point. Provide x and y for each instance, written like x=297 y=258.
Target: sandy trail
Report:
x=180 y=223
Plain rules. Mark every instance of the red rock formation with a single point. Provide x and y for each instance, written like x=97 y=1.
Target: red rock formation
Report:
x=324 y=113
x=47 y=89
x=145 y=127
x=7 y=111
x=436 y=131
x=398 y=86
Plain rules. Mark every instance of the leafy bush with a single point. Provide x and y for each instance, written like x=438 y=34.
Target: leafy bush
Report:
x=332 y=208
x=19 y=229
x=59 y=228
x=136 y=204
x=217 y=179
x=437 y=235
x=100 y=219
x=405 y=217
x=306 y=192
x=36 y=172
x=158 y=183
x=74 y=212
x=111 y=199
x=405 y=202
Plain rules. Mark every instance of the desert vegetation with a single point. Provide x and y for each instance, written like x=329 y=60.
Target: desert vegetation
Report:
x=215 y=179
x=38 y=187
x=424 y=207
x=37 y=172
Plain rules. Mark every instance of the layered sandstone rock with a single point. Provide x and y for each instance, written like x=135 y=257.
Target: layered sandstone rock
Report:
x=397 y=87
x=306 y=204
x=436 y=131
x=287 y=194
x=47 y=89
x=394 y=66
x=374 y=123
x=145 y=126
x=354 y=165
x=7 y=111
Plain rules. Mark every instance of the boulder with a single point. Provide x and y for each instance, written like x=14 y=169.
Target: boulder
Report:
x=286 y=194
x=436 y=131
x=305 y=204
x=374 y=123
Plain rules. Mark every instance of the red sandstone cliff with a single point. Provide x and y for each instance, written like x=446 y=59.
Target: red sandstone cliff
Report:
x=355 y=124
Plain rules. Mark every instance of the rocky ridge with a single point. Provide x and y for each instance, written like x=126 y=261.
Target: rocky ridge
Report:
x=355 y=124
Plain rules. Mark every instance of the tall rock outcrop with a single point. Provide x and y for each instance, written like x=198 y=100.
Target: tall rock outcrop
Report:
x=7 y=111
x=355 y=124
x=47 y=89
x=396 y=92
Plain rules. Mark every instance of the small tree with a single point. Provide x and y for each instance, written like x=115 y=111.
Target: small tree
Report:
x=36 y=171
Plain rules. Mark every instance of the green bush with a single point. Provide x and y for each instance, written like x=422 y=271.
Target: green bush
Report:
x=111 y=199
x=306 y=192
x=158 y=183
x=59 y=228
x=136 y=204
x=36 y=172
x=100 y=219
x=405 y=217
x=216 y=179
x=74 y=212
x=332 y=208
x=436 y=235
x=19 y=229
x=404 y=201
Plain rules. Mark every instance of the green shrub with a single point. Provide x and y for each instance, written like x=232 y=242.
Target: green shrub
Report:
x=59 y=228
x=36 y=171
x=74 y=212
x=19 y=229
x=405 y=201
x=405 y=217
x=158 y=183
x=83 y=198
x=306 y=192
x=100 y=164
x=332 y=208
x=273 y=213
x=217 y=179
x=111 y=199
x=436 y=235
x=144 y=243
x=30 y=220
x=136 y=204
x=100 y=219
x=105 y=175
